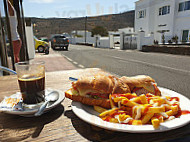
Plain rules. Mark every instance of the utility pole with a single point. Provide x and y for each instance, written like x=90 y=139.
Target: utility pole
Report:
x=85 y=29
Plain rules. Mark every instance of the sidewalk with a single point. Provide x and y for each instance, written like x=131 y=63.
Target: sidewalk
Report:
x=54 y=61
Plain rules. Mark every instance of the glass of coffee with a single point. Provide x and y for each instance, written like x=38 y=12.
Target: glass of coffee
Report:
x=31 y=78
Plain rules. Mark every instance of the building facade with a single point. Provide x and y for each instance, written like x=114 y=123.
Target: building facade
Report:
x=168 y=17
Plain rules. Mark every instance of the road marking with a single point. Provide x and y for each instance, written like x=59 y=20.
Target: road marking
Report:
x=75 y=63
x=69 y=59
x=81 y=66
x=150 y=64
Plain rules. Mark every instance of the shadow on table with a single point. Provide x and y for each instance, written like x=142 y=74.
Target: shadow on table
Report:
x=93 y=133
x=17 y=128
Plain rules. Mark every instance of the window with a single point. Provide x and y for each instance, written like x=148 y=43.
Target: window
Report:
x=164 y=10
x=183 y=6
x=141 y=14
x=187 y=5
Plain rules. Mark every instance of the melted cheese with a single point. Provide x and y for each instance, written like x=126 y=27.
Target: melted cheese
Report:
x=119 y=104
x=73 y=92
x=164 y=114
x=171 y=118
x=84 y=92
x=149 y=87
x=138 y=113
x=125 y=121
x=133 y=109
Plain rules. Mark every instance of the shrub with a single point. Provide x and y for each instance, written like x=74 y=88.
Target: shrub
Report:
x=170 y=41
x=78 y=36
x=163 y=39
x=175 y=39
x=155 y=42
x=99 y=30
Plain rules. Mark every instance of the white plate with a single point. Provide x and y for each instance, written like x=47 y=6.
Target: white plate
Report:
x=88 y=114
x=34 y=108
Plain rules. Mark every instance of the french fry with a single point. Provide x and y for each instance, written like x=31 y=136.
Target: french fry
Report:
x=159 y=101
x=139 y=110
x=114 y=120
x=129 y=95
x=99 y=109
x=167 y=107
x=123 y=117
x=143 y=99
x=136 y=100
x=156 y=109
x=155 y=122
x=174 y=109
x=128 y=103
x=108 y=112
x=136 y=122
x=147 y=117
x=128 y=109
x=169 y=113
x=119 y=99
x=159 y=117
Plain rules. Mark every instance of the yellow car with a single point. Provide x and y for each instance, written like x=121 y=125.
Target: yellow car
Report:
x=41 y=46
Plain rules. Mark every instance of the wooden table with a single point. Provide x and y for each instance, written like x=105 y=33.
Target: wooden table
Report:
x=61 y=124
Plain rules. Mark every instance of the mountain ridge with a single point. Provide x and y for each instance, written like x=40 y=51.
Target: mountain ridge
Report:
x=112 y=22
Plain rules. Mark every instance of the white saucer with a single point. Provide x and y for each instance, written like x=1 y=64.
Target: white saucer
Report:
x=30 y=110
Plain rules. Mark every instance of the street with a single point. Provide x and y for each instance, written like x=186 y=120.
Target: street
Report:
x=169 y=71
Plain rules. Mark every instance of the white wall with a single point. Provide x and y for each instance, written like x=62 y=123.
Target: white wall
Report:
x=142 y=23
x=175 y=21
x=30 y=42
x=127 y=30
x=167 y=20
x=90 y=40
x=82 y=33
x=144 y=40
x=181 y=18
x=104 y=42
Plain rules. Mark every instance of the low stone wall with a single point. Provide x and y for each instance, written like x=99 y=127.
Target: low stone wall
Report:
x=180 y=50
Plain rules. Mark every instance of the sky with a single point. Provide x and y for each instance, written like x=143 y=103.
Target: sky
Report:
x=75 y=8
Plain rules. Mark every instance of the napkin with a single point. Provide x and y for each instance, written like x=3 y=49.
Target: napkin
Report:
x=13 y=103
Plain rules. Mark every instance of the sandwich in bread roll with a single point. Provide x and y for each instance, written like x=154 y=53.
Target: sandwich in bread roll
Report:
x=96 y=90
x=141 y=84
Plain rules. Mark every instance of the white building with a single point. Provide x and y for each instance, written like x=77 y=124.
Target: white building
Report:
x=81 y=33
x=127 y=30
x=154 y=16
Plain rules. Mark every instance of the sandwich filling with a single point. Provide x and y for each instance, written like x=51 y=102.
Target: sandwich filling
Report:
x=144 y=89
x=90 y=93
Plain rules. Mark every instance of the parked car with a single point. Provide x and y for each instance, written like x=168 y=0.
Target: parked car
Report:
x=41 y=46
x=59 y=41
x=44 y=39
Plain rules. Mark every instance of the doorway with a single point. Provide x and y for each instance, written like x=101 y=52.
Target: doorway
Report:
x=185 y=36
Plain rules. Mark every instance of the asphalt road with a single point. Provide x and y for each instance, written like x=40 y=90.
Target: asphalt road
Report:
x=169 y=71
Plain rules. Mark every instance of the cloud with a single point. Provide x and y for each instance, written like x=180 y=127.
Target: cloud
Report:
x=42 y=1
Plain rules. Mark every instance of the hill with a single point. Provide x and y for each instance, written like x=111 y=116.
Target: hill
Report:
x=113 y=22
